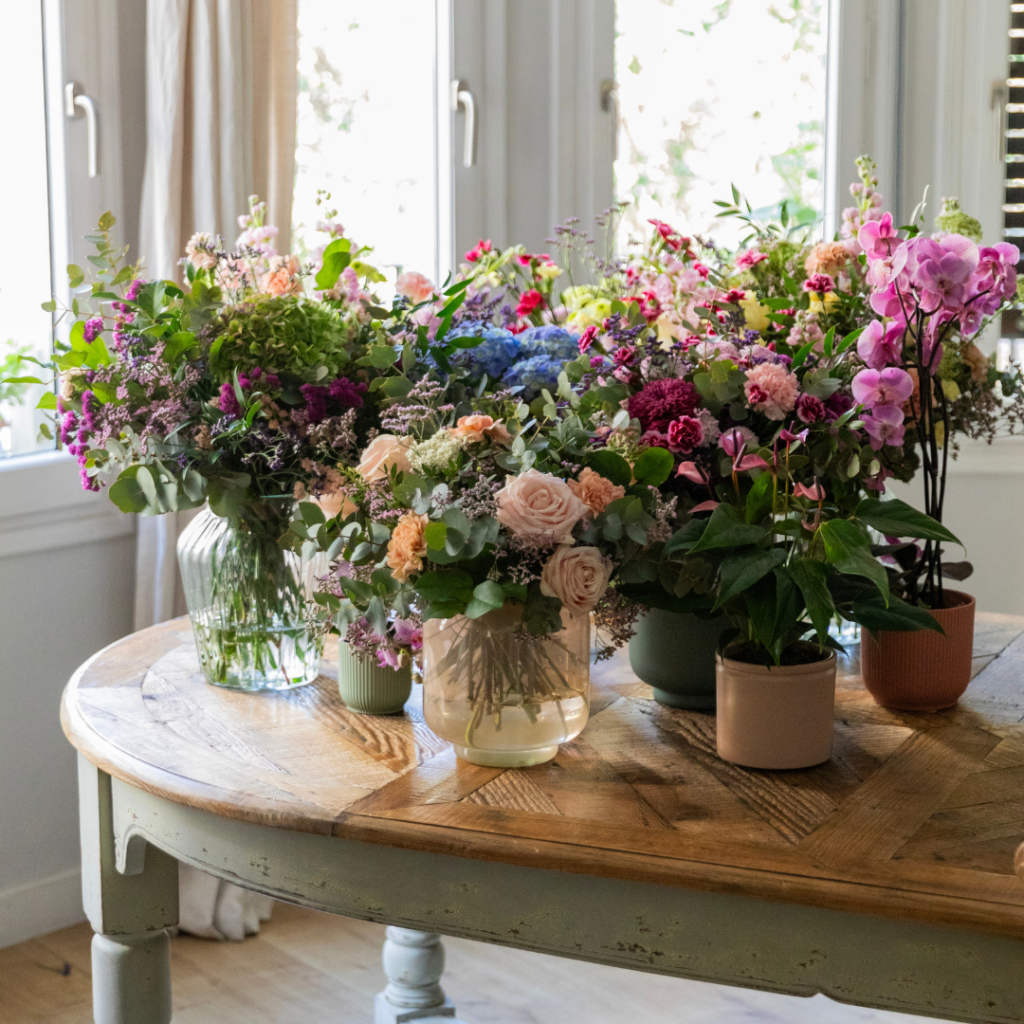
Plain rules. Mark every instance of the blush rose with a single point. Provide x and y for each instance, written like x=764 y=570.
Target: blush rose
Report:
x=577 y=576
x=539 y=507
x=383 y=452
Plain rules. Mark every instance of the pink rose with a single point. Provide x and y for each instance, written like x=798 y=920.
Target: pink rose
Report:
x=383 y=452
x=539 y=507
x=283 y=277
x=414 y=286
x=478 y=426
x=577 y=576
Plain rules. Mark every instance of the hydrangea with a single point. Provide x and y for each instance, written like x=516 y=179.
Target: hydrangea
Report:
x=549 y=340
x=492 y=356
x=534 y=374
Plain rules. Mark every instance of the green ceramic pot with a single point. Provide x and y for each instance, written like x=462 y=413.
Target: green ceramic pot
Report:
x=675 y=654
x=368 y=689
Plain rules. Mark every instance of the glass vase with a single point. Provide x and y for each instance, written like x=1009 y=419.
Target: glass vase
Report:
x=250 y=600
x=500 y=695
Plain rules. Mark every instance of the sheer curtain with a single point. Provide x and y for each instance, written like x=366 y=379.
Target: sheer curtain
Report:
x=220 y=107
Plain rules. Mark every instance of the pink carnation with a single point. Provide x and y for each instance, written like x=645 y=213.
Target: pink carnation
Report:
x=772 y=390
x=749 y=259
x=685 y=434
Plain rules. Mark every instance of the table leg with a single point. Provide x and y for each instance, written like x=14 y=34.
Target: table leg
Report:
x=130 y=912
x=413 y=963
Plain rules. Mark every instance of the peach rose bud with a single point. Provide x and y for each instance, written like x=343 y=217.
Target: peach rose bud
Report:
x=577 y=576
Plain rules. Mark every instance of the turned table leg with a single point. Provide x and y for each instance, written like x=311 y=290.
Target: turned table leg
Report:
x=129 y=911
x=413 y=963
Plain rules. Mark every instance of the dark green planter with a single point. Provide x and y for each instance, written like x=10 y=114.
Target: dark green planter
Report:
x=368 y=689
x=675 y=654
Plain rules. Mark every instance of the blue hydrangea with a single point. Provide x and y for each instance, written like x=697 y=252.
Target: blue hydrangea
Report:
x=549 y=341
x=533 y=374
x=493 y=356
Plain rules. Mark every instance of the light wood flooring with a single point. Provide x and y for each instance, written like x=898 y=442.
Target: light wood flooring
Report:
x=310 y=967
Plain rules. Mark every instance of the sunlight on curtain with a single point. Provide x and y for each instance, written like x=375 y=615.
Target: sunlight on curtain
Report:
x=25 y=261
x=714 y=93
x=366 y=127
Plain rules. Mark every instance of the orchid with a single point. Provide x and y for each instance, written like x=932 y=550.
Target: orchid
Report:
x=891 y=386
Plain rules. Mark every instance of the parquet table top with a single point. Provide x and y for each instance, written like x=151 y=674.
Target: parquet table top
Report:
x=916 y=816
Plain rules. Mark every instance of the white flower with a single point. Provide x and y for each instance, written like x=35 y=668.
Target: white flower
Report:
x=436 y=452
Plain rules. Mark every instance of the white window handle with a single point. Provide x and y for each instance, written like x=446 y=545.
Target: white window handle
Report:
x=462 y=99
x=77 y=103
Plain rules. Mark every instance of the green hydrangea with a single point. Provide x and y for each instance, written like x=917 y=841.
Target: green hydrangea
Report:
x=282 y=335
x=952 y=220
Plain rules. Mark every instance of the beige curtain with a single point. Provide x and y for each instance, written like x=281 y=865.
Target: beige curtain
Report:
x=221 y=79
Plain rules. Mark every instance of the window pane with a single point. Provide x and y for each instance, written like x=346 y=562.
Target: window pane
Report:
x=25 y=260
x=714 y=93
x=366 y=126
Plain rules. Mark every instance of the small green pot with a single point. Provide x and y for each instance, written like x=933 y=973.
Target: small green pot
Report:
x=368 y=689
x=675 y=654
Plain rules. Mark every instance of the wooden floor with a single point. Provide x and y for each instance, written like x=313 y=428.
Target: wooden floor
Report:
x=309 y=967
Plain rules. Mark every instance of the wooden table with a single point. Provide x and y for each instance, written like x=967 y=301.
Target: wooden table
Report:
x=883 y=878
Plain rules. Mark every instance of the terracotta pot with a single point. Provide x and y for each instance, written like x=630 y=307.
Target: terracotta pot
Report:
x=779 y=717
x=675 y=654
x=922 y=670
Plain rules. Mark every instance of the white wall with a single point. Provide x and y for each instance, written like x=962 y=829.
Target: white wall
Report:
x=67 y=564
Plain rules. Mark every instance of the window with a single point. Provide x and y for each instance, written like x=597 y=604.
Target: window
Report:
x=366 y=127
x=719 y=92
x=25 y=260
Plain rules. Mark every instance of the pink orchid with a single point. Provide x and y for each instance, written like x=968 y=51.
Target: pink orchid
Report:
x=813 y=493
x=891 y=386
x=997 y=272
x=881 y=346
x=888 y=301
x=941 y=268
x=878 y=238
x=884 y=271
x=885 y=426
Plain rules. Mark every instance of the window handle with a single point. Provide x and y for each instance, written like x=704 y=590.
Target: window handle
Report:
x=462 y=99
x=76 y=103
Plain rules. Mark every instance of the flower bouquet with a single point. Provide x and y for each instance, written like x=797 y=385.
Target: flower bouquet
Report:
x=242 y=389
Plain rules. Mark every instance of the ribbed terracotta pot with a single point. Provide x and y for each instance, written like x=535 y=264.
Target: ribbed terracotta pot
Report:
x=368 y=689
x=922 y=670
x=779 y=717
x=675 y=654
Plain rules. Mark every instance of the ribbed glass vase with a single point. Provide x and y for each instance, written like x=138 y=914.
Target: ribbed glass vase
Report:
x=249 y=598
x=502 y=696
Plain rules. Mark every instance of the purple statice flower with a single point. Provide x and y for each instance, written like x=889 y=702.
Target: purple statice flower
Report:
x=751 y=337
x=348 y=394
x=620 y=332
x=93 y=329
x=89 y=407
x=316 y=401
x=68 y=428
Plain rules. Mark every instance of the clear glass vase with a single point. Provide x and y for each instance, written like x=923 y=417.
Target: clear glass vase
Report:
x=250 y=600
x=502 y=696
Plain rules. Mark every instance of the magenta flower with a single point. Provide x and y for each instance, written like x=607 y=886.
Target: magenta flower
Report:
x=885 y=426
x=819 y=283
x=663 y=400
x=996 y=276
x=881 y=346
x=408 y=634
x=891 y=386
x=587 y=338
x=878 y=238
x=685 y=434
x=749 y=259
x=93 y=329
x=810 y=409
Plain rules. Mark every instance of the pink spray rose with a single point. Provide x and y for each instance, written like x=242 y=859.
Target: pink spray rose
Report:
x=414 y=286
x=383 y=452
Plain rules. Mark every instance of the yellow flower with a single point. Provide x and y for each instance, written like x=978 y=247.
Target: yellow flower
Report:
x=951 y=390
x=756 y=314
x=818 y=306
x=549 y=270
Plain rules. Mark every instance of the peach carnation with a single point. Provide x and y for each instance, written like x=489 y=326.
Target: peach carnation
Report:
x=538 y=507
x=772 y=390
x=414 y=286
x=479 y=426
x=577 y=576
x=407 y=546
x=595 y=491
x=383 y=452
x=827 y=258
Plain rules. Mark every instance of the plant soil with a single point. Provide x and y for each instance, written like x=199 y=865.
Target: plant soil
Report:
x=802 y=652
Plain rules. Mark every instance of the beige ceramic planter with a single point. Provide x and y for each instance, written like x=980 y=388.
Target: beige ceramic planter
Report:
x=776 y=717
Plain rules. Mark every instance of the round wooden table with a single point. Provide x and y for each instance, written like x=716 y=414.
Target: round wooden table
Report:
x=883 y=878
